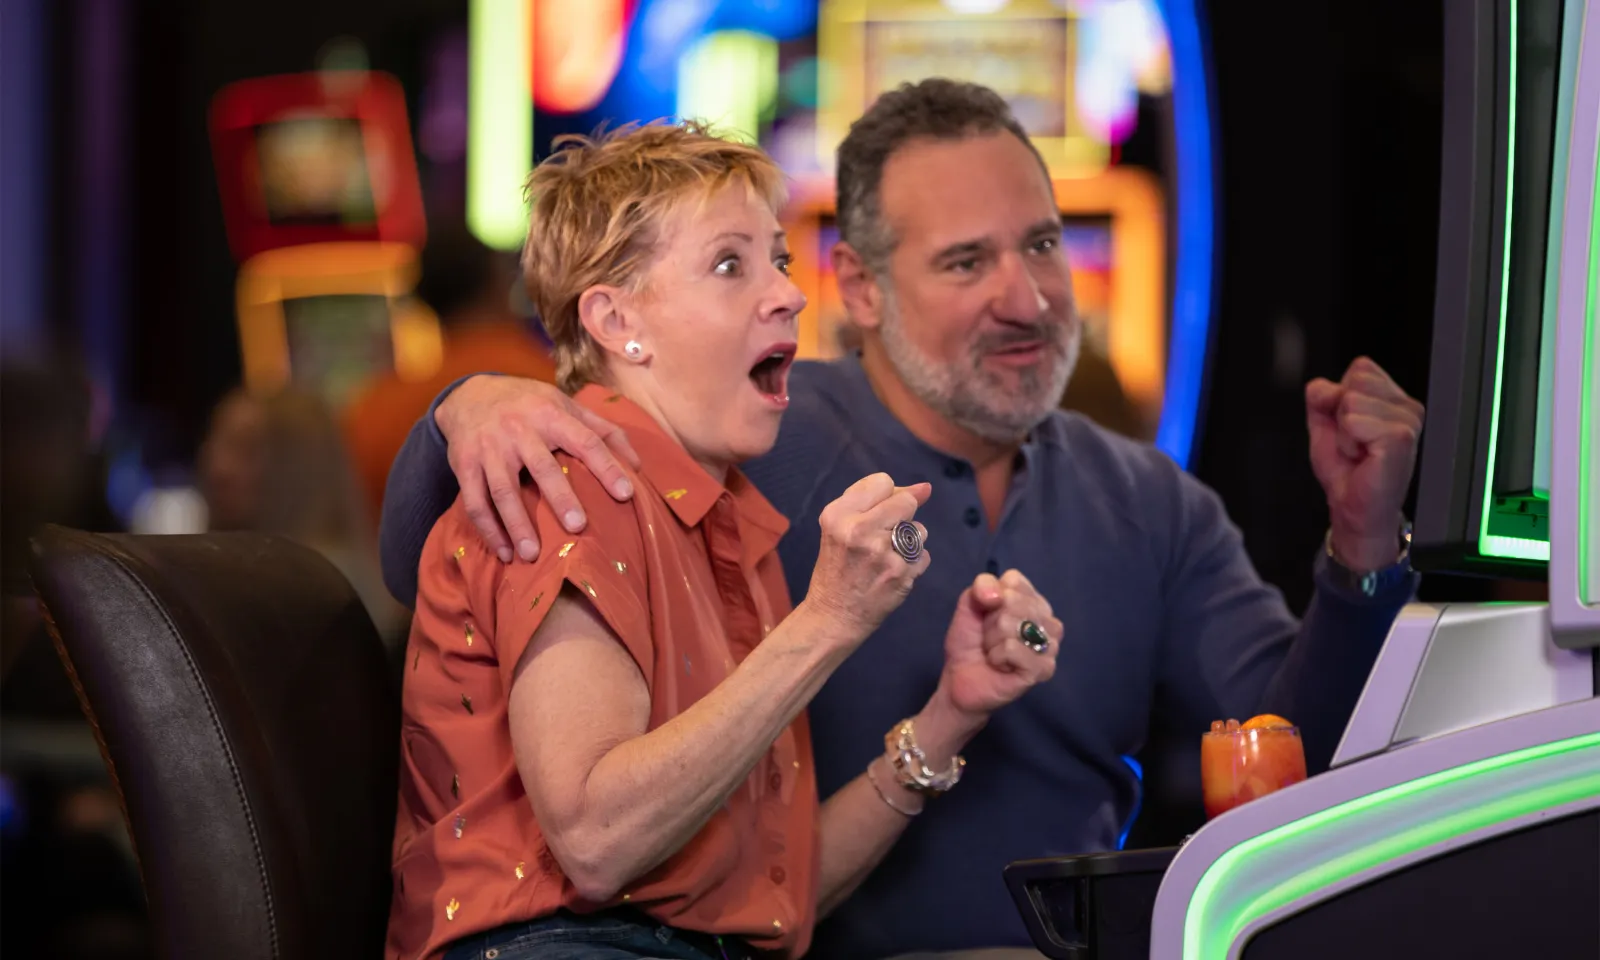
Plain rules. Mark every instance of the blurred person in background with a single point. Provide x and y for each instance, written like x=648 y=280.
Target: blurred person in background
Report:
x=469 y=287
x=278 y=464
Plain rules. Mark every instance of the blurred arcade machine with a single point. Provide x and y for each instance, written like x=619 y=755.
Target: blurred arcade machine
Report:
x=1461 y=817
x=324 y=214
x=1073 y=73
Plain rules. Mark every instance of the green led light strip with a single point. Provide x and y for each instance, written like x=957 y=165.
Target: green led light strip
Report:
x=499 y=120
x=1490 y=545
x=1212 y=924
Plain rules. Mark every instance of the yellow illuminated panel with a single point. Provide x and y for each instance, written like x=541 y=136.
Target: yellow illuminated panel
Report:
x=1131 y=296
x=1136 y=335
x=388 y=270
x=499 y=120
x=1026 y=51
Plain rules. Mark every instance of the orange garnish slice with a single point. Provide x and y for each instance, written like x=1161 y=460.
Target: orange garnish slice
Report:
x=1267 y=721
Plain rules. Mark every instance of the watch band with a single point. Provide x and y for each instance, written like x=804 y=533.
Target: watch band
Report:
x=1372 y=582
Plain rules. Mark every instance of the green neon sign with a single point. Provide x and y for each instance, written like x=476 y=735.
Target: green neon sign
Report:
x=1492 y=545
x=499 y=120
x=1229 y=899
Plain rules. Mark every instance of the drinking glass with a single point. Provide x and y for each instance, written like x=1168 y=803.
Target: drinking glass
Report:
x=1238 y=765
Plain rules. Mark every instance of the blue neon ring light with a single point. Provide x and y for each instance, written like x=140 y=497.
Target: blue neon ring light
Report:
x=1192 y=299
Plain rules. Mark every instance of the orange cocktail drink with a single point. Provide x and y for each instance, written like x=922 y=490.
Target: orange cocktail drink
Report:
x=1240 y=763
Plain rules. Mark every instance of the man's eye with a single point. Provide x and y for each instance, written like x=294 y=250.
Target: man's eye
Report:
x=1046 y=244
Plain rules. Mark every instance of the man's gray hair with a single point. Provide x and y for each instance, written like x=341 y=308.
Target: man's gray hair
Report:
x=933 y=109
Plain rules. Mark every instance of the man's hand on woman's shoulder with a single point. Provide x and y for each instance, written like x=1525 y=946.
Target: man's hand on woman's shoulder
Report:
x=495 y=427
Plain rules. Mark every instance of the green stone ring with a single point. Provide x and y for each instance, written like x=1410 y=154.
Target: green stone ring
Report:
x=1033 y=636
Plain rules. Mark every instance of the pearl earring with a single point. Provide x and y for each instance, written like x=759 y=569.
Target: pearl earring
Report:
x=633 y=350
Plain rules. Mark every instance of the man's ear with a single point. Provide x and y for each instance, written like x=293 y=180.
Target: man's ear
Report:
x=600 y=310
x=858 y=287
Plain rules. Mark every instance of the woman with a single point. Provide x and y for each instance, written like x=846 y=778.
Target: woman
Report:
x=604 y=752
x=276 y=463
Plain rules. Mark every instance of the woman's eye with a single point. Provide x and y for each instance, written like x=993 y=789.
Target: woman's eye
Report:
x=727 y=267
x=782 y=263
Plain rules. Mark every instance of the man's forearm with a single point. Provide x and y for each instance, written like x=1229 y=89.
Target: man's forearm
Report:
x=421 y=488
x=858 y=826
x=1321 y=678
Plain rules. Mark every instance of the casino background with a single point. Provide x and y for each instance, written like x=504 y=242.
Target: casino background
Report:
x=1250 y=190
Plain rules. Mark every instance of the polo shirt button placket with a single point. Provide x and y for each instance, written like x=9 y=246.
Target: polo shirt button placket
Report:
x=973 y=516
x=778 y=875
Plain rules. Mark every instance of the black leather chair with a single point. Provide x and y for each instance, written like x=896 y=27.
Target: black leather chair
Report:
x=243 y=703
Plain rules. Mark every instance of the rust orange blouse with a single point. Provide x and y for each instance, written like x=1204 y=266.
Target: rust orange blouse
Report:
x=686 y=574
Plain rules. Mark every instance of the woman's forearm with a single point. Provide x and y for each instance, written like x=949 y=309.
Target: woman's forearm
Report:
x=859 y=825
x=649 y=795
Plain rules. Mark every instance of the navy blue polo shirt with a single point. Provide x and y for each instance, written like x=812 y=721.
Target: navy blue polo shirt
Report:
x=1163 y=615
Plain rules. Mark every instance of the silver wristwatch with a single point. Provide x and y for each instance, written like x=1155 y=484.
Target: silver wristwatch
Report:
x=1372 y=582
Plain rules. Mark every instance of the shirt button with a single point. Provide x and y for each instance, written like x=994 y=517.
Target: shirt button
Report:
x=775 y=781
x=954 y=469
x=973 y=516
x=993 y=568
x=777 y=874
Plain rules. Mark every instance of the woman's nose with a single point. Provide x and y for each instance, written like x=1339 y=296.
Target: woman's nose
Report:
x=785 y=296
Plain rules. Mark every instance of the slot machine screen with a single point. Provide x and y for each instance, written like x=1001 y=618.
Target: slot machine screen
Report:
x=337 y=342
x=314 y=172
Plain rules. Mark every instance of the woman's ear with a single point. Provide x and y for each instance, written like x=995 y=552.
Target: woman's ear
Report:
x=600 y=310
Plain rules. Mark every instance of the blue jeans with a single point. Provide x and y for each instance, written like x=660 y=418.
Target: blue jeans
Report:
x=613 y=935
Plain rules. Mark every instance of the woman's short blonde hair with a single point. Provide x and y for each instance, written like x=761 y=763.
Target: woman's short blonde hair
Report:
x=598 y=204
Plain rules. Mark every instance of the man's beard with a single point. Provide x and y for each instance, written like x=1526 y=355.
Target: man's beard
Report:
x=974 y=398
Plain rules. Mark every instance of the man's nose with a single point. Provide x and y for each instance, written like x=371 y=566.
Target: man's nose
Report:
x=1019 y=297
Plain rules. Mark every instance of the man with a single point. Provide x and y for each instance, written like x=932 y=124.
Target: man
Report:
x=468 y=287
x=951 y=265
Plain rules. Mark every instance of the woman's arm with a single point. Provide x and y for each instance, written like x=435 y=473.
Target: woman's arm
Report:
x=858 y=826
x=986 y=667
x=613 y=800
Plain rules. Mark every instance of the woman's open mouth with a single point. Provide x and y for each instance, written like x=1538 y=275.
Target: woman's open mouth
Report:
x=770 y=375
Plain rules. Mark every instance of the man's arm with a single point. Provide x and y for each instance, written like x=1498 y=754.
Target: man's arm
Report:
x=1231 y=648
x=476 y=439
x=420 y=489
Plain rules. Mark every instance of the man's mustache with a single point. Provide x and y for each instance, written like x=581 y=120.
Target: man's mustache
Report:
x=1020 y=334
